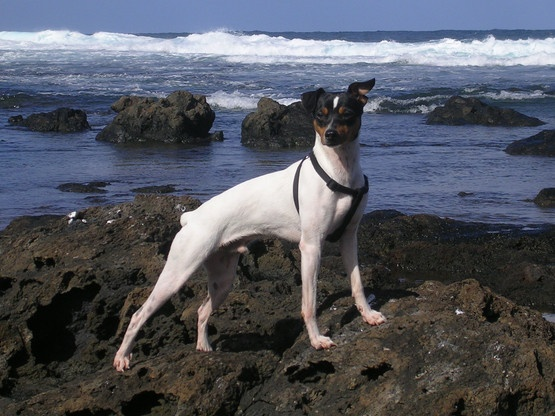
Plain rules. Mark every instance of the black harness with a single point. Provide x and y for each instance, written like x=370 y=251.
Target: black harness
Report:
x=357 y=194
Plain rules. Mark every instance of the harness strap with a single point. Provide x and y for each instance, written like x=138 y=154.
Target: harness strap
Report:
x=296 y=184
x=357 y=194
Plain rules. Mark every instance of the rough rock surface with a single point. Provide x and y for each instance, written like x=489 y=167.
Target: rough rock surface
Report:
x=459 y=111
x=545 y=198
x=541 y=144
x=62 y=120
x=180 y=118
x=68 y=288
x=274 y=125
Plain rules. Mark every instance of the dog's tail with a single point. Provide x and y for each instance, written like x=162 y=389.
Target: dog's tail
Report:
x=183 y=219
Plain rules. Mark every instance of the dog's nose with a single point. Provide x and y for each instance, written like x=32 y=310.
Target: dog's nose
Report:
x=331 y=134
x=331 y=137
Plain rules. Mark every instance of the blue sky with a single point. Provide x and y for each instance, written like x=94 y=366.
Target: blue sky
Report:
x=149 y=16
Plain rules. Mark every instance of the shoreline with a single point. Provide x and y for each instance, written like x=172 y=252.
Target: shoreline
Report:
x=383 y=236
x=524 y=227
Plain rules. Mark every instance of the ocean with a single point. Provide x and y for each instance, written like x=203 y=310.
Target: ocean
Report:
x=412 y=167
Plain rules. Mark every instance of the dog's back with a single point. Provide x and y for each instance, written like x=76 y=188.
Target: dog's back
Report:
x=262 y=206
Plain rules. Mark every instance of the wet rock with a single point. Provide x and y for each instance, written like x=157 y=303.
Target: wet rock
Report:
x=464 y=346
x=84 y=188
x=541 y=144
x=275 y=125
x=180 y=118
x=459 y=111
x=62 y=120
x=514 y=261
x=545 y=198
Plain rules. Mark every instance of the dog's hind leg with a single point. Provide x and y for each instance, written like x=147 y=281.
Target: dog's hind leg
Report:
x=221 y=268
x=348 y=248
x=184 y=259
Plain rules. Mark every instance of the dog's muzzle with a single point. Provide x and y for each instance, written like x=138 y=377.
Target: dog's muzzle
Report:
x=332 y=138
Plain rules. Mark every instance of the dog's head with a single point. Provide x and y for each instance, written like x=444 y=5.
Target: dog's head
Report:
x=337 y=114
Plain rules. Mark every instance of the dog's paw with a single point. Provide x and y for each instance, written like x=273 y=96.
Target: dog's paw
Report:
x=374 y=318
x=122 y=362
x=204 y=346
x=323 y=343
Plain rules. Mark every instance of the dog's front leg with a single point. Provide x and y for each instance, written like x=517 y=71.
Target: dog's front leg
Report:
x=348 y=248
x=310 y=265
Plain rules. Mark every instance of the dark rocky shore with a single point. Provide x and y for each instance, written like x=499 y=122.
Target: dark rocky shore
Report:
x=464 y=334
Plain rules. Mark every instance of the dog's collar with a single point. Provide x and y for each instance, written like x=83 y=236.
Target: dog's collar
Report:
x=357 y=194
x=334 y=185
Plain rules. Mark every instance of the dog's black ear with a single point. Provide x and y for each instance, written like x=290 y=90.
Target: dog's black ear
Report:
x=310 y=99
x=360 y=89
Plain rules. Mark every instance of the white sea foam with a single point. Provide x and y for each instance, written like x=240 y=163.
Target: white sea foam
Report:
x=234 y=100
x=418 y=105
x=237 y=100
x=263 y=48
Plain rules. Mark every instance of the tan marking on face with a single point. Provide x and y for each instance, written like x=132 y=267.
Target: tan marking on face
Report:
x=353 y=130
x=344 y=133
x=321 y=130
x=348 y=133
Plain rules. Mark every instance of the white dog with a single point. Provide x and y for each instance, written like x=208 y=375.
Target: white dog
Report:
x=305 y=203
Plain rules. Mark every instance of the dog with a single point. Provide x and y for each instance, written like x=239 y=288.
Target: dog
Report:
x=304 y=203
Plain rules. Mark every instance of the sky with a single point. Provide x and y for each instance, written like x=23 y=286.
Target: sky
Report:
x=178 y=16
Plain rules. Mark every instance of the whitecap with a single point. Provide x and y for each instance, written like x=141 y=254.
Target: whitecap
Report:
x=270 y=49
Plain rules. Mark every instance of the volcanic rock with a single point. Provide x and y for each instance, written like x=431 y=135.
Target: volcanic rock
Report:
x=180 y=118
x=545 y=198
x=459 y=111
x=541 y=144
x=274 y=125
x=62 y=120
x=468 y=345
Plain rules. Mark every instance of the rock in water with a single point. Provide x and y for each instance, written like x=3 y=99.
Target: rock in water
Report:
x=541 y=144
x=62 y=120
x=545 y=198
x=274 y=125
x=180 y=118
x=459 y=111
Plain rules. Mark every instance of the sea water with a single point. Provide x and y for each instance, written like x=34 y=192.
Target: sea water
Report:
x=412 y=167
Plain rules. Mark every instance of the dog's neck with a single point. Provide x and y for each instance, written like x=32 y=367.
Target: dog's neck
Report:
x=342 y=162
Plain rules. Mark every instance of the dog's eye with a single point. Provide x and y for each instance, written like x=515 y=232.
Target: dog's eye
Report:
x=320 y=115
x=347 y=115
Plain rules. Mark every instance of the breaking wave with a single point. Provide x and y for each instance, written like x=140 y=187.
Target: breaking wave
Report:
x=272 y=49
x=383 y=104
